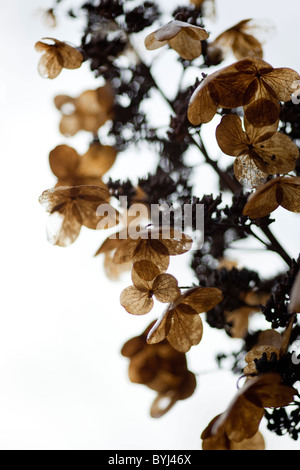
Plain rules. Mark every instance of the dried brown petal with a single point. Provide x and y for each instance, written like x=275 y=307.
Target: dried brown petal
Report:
x=63 y=227
x=281 y=80
x=152 y=250
x=271 y=338
x=240 y=41
x=200 y=299
x=290 y=196
x=182 y=330
x=165 y=288
x=183 y=37
x=144 y=271
x=231 y=137
x=63 y=161
x=97 y=160
x=279 y=191
x=218 y=440
x=136 y=301
x=239 y=319
x=163 y=403
x=241 y=420
x=262 y=202
x=256 y=442
x=267 y=391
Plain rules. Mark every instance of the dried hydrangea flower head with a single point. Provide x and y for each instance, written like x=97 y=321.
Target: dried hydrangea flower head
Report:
x=259 y=152
x=161 y=368
x=148 y=282
x=57 y=56
x=153 y=244
x=71 y=169
x=251 y=83
x=282 y=191
x=72 y=207
x=239 y=40
x=184 y=38
x=242 y=418
x=88 y=112
x=180 y=323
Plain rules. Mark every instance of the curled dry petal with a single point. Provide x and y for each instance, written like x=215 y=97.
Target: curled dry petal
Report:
x=183 y=37
x=56 y=57
x=282 y=191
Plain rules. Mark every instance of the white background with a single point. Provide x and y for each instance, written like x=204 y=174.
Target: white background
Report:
x=63 y=382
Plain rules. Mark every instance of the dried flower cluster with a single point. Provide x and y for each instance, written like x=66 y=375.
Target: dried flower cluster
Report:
x=259 y=126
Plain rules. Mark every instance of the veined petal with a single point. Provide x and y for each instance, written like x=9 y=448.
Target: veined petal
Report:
x=135 y=301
